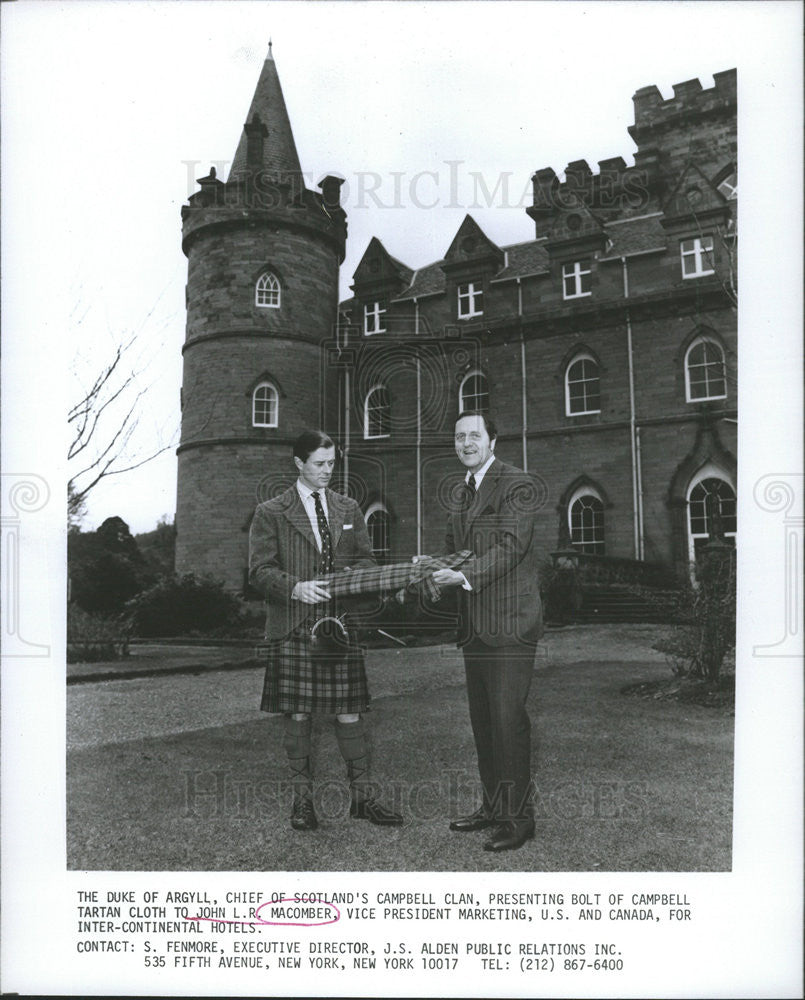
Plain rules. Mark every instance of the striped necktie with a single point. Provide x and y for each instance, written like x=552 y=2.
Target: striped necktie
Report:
x=324 y=533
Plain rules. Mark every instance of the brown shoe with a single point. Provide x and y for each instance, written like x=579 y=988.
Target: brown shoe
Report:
x=475 y=821
x=303 y=815
x=372 y=810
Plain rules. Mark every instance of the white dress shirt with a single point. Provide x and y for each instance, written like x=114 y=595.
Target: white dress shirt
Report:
x=306 y=496
x=479 y=477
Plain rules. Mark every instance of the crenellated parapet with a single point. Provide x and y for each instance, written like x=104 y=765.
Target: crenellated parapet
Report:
x=262 y=198
x=690 y=103
x=664 y=133
x=614 y=189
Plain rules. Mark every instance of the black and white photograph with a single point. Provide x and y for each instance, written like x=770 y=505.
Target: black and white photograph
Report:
x=393 y=585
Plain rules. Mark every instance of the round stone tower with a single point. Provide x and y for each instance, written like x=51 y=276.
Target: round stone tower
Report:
x=262 y=300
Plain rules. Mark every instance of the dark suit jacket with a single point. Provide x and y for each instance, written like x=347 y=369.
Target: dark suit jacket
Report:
x=282 y=551
x=503 y=607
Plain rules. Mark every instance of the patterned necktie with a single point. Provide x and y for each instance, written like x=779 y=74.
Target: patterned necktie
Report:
x=324 y=533
x=469 y=497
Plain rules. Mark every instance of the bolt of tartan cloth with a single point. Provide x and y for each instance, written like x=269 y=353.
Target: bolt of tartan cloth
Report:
x=395 y=576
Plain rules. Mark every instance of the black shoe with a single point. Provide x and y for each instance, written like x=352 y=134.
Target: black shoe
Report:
x=475 y=821
x=303 y=816
x=372 y=810
x=510 y=836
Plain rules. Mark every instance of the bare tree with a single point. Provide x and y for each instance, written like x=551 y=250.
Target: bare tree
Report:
x=102 y=425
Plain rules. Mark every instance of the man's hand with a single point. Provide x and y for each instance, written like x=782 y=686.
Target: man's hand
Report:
x=311 y=592
x=448 y=578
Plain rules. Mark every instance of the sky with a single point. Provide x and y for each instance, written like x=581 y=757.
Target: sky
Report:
x=429 y=110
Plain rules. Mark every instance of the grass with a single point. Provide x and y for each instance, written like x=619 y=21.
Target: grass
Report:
x=622 y=783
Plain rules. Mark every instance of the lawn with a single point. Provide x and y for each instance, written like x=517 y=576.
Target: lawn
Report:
x=622 y=783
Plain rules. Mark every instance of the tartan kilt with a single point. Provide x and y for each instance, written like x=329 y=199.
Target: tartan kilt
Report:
x=297 y=681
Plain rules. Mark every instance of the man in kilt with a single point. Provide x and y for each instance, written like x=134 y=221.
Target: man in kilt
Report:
x=294 y=539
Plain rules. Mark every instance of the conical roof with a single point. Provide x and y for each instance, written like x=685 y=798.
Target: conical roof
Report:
x=279 y=148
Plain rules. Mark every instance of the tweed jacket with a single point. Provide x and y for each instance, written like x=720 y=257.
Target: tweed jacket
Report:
x=504 y=606
x=283 y=551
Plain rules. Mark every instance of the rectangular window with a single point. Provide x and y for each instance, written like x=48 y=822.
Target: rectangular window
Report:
x=697 y=256
x=374 y=318
x=470 y=300
x=576 y=279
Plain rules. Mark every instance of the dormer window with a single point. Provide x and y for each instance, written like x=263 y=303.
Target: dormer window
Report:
x=374 y=318
x=470 y=300
x=267 y=291
x=576 y=279
x=729 y=186
x=697 y=256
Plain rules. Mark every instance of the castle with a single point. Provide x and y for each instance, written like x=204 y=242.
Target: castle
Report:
x=605 y=347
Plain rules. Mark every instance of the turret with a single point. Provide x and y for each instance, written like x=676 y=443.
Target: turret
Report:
x=263 y=256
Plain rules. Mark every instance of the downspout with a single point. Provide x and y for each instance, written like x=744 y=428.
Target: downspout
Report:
x=346 y=429
x=640 y=493
x=418 y=437
x=637 y=490
x=523 y=385
x=346 y=418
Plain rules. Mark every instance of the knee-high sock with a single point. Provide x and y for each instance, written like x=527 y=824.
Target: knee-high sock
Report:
x=352 y=743
x=297 y=747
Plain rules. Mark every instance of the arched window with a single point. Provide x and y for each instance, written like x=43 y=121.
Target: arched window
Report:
x=377 y=413
x=705 y=376
x=377 y=521
x=585 y=513
x=473 y=393
x=710 y=496
x=265 y=405
x=267 y=291
x=582 y=386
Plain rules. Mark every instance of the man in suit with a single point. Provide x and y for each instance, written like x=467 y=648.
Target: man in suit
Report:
x=499 y=624
x=308 y=531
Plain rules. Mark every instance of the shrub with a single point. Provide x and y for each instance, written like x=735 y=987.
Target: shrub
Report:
x=92 y=638
x=560 y=591
x=106 y=568
x=157 y=548
x=706 y=609
x=182 y=605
